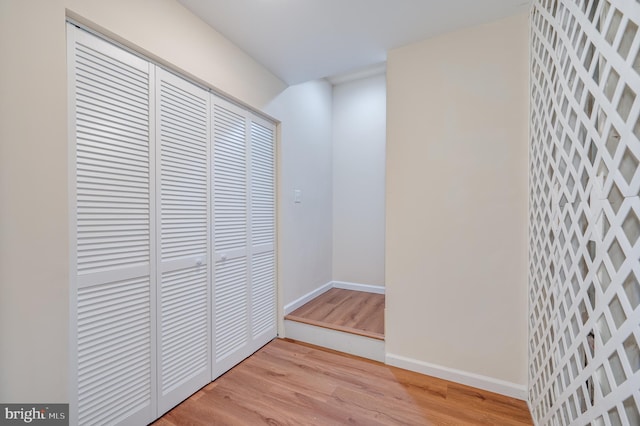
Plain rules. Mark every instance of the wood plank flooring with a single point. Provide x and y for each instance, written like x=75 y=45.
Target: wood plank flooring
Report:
x=355 y=312
x=291 y=383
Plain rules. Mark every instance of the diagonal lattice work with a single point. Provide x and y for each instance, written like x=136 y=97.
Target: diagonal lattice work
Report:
x=584 y=223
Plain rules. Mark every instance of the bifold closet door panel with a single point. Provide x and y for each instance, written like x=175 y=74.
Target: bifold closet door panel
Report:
x=244 y=301
x=262 y=226
x=184 y=324
x=230 y=236
x=113 y=249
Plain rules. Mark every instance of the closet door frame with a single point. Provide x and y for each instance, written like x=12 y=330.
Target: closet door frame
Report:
x=78 y=31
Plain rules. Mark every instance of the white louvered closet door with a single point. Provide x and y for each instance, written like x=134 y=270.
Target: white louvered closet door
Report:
x=243 y=210
x=114 y=233
x=230 y=236
x=184 y=353
x=173 y=264
x=262 y=292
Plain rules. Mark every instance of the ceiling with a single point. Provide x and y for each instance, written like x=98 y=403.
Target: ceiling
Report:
x=302 y=40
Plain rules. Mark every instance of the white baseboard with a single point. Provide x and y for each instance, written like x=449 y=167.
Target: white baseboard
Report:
x=463 y=377
x=378 y=289
x=290 y=307
x=353 y=344
x=365 y=347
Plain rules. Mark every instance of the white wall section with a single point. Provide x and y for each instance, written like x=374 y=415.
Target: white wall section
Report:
x=456 y=227
x=304 y=164
x=359 y=139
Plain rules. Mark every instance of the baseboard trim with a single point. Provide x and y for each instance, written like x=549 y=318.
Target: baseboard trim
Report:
x=290 y=307
x=378 y=289
x=463 y=377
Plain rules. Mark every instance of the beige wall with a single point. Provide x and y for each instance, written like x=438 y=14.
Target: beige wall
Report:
x=34 y=273
x=456 y=251
x=33 y=202
x=359 y=137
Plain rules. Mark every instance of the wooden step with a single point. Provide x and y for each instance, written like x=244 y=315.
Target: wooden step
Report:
x=349 y=311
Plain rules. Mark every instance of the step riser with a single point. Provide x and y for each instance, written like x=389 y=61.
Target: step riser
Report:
x=353 y=344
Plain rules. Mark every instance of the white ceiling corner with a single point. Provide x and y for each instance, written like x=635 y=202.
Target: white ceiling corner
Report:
x=367 y=71
x=302 y=40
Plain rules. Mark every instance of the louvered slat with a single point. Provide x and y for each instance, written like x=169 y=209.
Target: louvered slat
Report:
x=104 y=139
x=184 y=326
x=184 y=138
x=263 y=300
x=230 y=306
x=229 y=181
x=113 y=233
x=262 y=185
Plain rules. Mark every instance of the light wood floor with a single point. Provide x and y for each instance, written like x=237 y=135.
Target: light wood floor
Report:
x=291 y=383
x=355 y=312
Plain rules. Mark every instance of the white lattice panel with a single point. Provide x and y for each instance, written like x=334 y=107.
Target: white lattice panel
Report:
x=584 y=316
